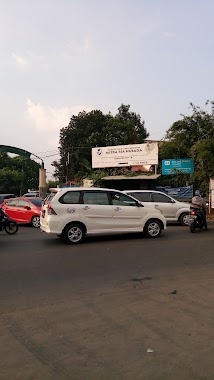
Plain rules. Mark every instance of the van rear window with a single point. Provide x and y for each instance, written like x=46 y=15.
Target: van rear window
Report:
x=49 y=198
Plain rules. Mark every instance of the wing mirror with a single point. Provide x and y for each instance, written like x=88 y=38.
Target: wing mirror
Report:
x=27 y=207
x=138 y=204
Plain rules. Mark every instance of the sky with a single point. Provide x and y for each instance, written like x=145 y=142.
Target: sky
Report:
x=60 y=57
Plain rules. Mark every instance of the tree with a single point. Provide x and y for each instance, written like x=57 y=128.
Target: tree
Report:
x=192 y=137
x=88 y=130
x=203 y=155
x=10 y=181
x=52 y=184
x=17 y=174
x=186 y=132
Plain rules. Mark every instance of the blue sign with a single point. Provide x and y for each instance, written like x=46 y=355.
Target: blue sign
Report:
x=185 y=192
x=183 y=165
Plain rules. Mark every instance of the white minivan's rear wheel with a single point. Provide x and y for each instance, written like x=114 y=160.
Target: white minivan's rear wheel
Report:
x=153 y=228
x=74 y=234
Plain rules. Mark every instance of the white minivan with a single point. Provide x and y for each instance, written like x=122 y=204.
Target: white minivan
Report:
x=173 y=210
x=72 y=213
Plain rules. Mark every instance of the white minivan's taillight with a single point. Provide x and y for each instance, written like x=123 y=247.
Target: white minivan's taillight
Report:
x=51 y=211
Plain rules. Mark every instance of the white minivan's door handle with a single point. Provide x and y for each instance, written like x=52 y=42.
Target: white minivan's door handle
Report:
x=118 y=209
x=86 y=208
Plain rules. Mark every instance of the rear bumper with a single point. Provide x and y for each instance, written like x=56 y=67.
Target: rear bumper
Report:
x=50 y=227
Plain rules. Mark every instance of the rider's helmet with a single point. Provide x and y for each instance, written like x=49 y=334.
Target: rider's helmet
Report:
x=197 y=193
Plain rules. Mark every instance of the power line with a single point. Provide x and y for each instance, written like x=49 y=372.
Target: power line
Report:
x=47 y=151
x=51 y=155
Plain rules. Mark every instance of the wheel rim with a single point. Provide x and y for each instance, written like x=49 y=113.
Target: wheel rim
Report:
x=153 y=229
x=75 y=234
x=12 y=227
x=36 y=221
x=186 y=219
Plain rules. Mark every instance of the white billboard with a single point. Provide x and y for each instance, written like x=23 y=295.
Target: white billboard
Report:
x=125 y=155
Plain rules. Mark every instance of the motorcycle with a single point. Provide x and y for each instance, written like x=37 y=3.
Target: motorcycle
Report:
x=7 y=224
x=195 y=219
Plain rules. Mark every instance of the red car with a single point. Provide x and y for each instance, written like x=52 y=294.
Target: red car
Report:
x=23 y=210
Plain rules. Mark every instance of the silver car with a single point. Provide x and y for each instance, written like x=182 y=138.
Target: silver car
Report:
x=174 y=211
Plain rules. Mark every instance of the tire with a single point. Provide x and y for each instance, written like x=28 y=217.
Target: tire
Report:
x=153 y=228
x=35 y=221
x=192 y=228
x=184 y=219
x=11 y=228
x=74 y=234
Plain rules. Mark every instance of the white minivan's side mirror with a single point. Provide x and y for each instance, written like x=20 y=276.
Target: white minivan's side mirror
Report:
x=138 y=204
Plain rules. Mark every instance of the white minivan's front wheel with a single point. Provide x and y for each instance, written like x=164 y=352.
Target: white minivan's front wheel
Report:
x=153 y=228
x=74 y=234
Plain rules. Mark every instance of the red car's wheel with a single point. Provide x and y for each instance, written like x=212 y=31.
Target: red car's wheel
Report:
x=35 y=221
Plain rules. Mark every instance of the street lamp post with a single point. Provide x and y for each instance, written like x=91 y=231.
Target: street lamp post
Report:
x=42 y=179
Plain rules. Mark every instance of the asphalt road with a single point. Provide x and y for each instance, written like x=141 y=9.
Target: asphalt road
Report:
x=92 y=311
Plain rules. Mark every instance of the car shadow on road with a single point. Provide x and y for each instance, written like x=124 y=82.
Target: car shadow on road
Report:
x=102 y=238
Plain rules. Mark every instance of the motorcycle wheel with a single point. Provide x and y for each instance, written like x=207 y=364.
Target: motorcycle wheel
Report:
x=192 y=228
x=11 y=228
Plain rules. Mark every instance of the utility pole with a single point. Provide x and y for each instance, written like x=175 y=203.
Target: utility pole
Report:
x=42 y=181
x=67 y=163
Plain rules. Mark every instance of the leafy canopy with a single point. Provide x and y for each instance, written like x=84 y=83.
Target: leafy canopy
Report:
x=192 y=137
x=17 y=174
x=88 y=130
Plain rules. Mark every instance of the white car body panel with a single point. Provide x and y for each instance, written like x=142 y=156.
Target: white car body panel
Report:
x=171 y=210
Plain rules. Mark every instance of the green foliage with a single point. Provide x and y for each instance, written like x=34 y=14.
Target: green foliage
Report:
x=191 y=129
x=10 y=181
x=52 y=184
x=88 y=130
x=191 y=137
x=17 y=174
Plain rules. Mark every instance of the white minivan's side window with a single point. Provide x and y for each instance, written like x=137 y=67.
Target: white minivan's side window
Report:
x=119 y=199
x=161 y=198
x=71 y=197
x=95 y=198
x=142 y=197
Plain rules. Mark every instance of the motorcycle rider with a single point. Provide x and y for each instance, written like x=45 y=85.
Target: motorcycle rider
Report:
x=198 y=202
x=1 y=217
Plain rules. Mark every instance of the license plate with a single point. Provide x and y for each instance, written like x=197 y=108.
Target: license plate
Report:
x=192 y=218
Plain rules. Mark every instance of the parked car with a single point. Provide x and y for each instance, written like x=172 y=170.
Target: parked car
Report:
x=173 y=210
x=72 y=213
x=31 y=194
x=5 y=196
x=24 y=210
